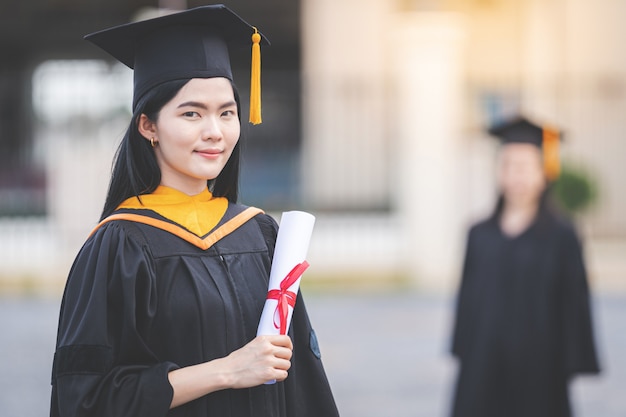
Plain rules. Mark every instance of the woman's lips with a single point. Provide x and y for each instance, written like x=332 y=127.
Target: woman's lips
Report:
x=209 y=153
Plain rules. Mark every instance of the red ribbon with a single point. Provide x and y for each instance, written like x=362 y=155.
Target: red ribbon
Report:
x=285 y=297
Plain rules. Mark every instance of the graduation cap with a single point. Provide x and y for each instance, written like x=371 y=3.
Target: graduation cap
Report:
x=189 y=44
x=547 y=138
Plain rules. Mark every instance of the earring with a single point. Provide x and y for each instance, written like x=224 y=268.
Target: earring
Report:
x=153 y=142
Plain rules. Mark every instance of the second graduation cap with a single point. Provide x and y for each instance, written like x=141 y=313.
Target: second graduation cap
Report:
x=189 y=44
x=522 y=130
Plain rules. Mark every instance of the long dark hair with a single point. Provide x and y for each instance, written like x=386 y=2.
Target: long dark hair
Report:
x=546 y=204
x=135 y=169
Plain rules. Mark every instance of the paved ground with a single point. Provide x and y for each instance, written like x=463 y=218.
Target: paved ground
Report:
x=385 y=354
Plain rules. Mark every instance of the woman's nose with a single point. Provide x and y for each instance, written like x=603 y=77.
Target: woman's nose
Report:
x=211 y=129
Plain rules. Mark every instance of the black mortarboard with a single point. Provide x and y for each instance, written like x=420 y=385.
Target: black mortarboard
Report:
x=188 y=44
x=522 y=130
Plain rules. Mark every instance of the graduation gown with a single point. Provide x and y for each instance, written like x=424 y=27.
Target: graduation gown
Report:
x=523 y=324
x=145 y=297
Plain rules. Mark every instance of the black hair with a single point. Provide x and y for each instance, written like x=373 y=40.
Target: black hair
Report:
x=135 y=169
x=546 y=204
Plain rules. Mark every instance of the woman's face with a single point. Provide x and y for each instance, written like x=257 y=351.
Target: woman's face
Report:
x=520 y=174
x=195 y=133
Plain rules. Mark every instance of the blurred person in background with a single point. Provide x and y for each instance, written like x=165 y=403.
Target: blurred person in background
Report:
x=161 y=306
x=523 y=325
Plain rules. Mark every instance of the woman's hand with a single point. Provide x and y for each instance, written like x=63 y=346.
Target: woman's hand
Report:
x=265 y=358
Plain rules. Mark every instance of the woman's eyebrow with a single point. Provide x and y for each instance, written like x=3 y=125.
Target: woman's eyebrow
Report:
x=204 y=106
x=230 y=103
x=193 y=104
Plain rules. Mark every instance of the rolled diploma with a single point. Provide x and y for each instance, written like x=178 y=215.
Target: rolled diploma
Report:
x=292 y=244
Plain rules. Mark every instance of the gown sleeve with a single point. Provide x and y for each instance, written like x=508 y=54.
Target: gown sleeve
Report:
x=462 y=313
x=579 y=352
x=102 y=365
x=307 y=389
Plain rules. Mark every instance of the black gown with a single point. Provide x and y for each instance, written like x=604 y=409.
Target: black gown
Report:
x=523 y=322
x=141 y=301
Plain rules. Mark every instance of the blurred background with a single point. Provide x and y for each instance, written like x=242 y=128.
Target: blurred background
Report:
x=373 y=119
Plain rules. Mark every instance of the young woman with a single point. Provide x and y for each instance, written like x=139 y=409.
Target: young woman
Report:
x=523 y=324
x=161 y=306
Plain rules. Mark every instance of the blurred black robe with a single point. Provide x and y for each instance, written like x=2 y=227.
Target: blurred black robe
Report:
x=523 y=322
x=140 y=302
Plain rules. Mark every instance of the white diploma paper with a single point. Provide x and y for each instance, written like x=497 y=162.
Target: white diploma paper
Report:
x=292 y=244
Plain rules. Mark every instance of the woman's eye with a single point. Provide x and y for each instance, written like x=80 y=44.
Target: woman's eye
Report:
x=228 y=113
x=191 y=114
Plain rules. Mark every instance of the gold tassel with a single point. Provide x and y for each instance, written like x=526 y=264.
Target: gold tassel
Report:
x=551 y=156
x=255 y=79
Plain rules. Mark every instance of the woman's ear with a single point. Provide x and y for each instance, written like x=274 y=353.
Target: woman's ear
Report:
x=146 y=127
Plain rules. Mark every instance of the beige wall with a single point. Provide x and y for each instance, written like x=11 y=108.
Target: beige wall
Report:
x=345 y=130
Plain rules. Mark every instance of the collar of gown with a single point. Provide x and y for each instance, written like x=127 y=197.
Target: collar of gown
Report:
x=198 y=213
